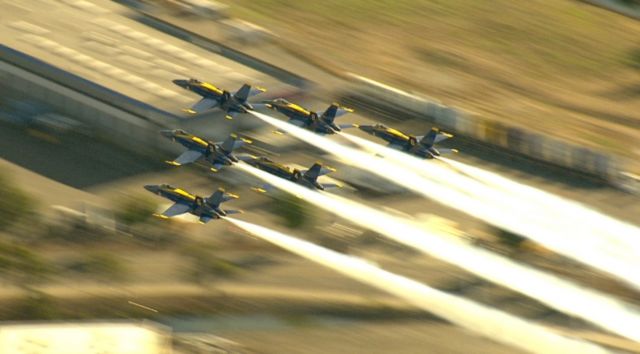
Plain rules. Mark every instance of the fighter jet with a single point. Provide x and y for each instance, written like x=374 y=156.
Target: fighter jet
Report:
x=310 y=120
x=213 y=96
x=204 y=208
x=308 y=178
x=217 y=154
x=421 y=146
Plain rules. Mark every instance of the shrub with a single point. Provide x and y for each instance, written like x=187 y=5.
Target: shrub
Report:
x=15 y=204
x=102 y=265
x=134 y=209
x=293 y=211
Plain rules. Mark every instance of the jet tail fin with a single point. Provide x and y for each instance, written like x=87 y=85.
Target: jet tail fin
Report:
x=316 y=171
x=433 y=137
x=247 y=91
x=429 y=139
x=220 y=196
x=334 y=111
x=233 y=142
x=243 y=93
x=216 y=198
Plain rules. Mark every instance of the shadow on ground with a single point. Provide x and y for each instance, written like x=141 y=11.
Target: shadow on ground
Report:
x=75 y=160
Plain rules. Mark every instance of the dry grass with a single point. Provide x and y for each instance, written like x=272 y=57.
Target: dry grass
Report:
x=553 y=65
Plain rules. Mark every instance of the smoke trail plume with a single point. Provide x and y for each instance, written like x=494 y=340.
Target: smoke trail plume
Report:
x=472 y=316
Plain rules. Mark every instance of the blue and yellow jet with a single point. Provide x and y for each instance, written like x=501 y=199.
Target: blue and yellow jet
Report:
x=217 y=154
x=184 y=202
x=307 y=178
x=420 y=146
x=213 y=96
x=304 y=118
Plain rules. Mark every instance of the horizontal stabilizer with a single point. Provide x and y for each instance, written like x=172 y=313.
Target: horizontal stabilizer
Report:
x=347 y=126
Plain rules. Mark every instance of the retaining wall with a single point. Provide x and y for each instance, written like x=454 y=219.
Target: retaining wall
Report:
x=518 y=140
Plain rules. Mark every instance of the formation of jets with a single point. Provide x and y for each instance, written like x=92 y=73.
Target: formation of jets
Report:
x=217 y=155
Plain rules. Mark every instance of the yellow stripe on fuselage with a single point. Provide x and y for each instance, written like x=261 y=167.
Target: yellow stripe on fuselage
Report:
x=297 y=108
x=184 y=193
x=397 y=134
x=210 y=87
x=199 y=141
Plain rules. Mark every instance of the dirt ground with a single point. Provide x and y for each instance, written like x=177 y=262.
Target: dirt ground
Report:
x=564 y=67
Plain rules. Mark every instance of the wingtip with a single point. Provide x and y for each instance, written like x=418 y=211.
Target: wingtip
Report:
x=214 y=170
x=259 y=190
x=228 y=117
x=455 y=151
x=189 y=110
x=248 y=141
x=173 y=163
x=160 y=216
x=234 y=196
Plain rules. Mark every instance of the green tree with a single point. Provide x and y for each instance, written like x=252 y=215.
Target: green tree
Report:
x=15 y=204
x=37 y=306
x=293 y=211
x=103 y=265
x=206 y=264
x=21 y=264
x=134 y=209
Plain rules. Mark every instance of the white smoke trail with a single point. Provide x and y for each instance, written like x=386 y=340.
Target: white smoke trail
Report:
x=486 y=321
x=626 y=234
x=562 y=295
x=532 y=202
x=601 y=238
x=619 y=264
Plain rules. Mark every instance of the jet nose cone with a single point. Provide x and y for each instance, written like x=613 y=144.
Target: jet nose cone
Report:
x=366 y=128
x=167 y=133
x=181 y=83
x=268 y=103
x=153 y=188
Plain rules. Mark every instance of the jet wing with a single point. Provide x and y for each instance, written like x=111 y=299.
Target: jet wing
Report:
x=297 y=123
x=395 y=147
x=176 y=209
x=188 y=156
x=202 y=105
